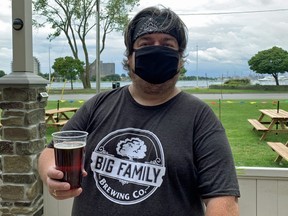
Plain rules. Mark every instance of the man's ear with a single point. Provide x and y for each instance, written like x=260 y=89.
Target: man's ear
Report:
x=130 y=62
x=181 y=63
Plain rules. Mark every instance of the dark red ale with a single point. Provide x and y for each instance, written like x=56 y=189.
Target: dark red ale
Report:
x=69 y=157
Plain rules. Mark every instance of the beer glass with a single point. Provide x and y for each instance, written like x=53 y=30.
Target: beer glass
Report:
x=69 y=150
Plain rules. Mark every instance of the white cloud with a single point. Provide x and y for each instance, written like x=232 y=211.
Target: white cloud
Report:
x=225 y=41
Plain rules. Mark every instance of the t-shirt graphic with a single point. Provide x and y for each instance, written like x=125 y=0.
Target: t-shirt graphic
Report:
x=128 y=165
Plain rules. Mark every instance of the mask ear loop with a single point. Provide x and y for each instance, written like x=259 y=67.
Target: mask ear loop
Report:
x=181 y=59
x=181 y=62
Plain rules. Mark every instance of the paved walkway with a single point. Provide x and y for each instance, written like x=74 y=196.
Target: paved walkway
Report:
x=278 y=96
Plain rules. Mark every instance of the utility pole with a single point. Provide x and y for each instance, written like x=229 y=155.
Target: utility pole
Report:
x=97 y=63
x=49 y=63
x=197 y=66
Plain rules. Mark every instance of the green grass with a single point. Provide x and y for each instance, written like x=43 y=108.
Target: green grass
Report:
x=228 y=91
x=247 y=149
x=62 y=103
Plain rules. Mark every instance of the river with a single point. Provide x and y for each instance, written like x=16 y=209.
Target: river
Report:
x=78 y=85
x=181 y=83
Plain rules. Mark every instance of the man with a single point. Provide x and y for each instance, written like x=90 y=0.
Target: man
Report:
x=151 y=149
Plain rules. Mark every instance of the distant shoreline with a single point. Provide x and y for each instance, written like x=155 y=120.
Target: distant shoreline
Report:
x=180 y=84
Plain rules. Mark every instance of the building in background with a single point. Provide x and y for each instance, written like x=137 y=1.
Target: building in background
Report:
x=105 y=69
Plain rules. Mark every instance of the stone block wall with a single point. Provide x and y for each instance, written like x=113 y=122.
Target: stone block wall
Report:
x=22 y=138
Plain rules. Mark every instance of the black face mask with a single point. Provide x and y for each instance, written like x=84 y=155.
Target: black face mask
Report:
x=156 y=64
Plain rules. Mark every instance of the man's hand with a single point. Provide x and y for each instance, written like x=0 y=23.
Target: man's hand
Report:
x=60 y=190
x=52 y=177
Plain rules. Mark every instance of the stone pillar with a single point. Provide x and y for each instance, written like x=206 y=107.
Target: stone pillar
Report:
x=22 y=139
x=22 y=135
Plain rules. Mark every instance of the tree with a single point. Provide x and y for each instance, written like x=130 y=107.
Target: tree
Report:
x=132 y=148
x=44 y=75
x=183 y=72
x=76 y=18
x=112 y=77
x=2 y=73
x=272 y=61
x=69 y=68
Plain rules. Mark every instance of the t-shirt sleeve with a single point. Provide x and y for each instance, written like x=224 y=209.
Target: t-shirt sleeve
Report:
x=214 y=160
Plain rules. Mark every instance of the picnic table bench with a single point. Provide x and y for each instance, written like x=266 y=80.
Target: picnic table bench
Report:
x=281 y=149
x=277 y=117
x=58 y=117
x=257 y=125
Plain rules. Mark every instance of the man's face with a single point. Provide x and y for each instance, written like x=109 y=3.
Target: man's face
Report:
x=155 y=39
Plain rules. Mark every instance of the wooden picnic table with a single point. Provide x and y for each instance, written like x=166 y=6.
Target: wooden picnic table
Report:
x=281 y=149
x=278 y=117
x=58 y=117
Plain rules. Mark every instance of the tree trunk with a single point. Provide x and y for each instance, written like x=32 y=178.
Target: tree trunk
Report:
x=85 y=78
x=277 y=81
x=275 y=75
x=71 y=83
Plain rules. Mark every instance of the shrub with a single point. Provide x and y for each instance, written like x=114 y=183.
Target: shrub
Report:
x=237 y=82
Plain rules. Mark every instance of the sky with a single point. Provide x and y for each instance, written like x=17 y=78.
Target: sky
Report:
x=222 y=36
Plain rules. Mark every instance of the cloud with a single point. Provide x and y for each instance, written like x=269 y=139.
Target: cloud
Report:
x=226 y=39
x=232 y=39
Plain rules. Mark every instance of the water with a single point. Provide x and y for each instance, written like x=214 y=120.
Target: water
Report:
x=182 y=84
x=78 y=85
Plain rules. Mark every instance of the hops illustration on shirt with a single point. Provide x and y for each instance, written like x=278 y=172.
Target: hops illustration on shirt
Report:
x=132 y=148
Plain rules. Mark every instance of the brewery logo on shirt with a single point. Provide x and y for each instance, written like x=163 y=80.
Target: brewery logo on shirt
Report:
x=128 y=165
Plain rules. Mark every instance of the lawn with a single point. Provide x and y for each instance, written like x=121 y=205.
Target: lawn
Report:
x=247 y=149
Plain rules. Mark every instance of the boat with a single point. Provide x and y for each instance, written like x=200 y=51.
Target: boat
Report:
x=266 y=78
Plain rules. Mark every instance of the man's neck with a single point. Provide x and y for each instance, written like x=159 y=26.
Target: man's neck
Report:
x=153 y=97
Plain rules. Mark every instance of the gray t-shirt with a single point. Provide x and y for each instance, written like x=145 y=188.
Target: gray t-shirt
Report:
x=151 y=160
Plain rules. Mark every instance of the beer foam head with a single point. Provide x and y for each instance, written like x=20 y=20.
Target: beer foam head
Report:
x=69 y=145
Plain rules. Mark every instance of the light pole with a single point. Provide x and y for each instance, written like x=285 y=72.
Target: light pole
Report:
x=97 y=66
x=197 y=66
x=49 y=63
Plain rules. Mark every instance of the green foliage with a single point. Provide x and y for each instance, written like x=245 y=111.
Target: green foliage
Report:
x=69 y=68
x=75 y=19
x=183 y=72
x=2 y=73
x=112 y=77
x=272 y=61
x=116 y=14
x=44 y=75
x=237 y=82
x=195 y=78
